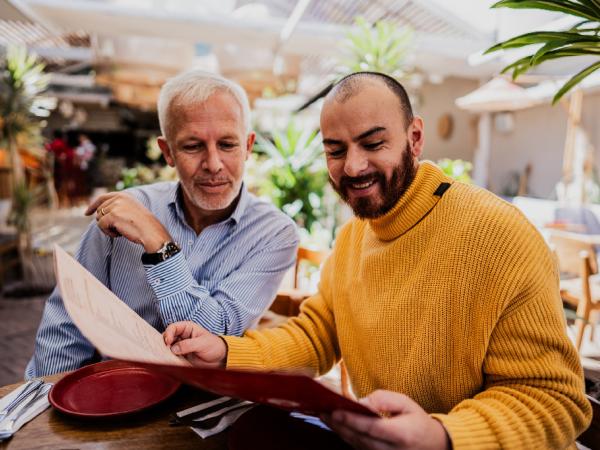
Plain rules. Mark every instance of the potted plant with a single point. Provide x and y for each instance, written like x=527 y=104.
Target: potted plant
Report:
x=22 y=80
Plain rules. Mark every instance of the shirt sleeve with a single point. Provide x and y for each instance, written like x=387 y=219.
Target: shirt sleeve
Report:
x=533 y=395
x=59 y=345
x=237 y=301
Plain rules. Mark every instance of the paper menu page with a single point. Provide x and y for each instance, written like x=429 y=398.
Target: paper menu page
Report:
x=108 y=323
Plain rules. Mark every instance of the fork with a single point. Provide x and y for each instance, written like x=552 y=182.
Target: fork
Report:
x=8 y=429
x=32 y=385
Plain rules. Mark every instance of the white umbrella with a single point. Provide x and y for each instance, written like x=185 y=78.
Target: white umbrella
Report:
x=498 y=94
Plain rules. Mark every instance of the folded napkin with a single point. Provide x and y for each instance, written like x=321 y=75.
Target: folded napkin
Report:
x=209 y=418
x=33 y=409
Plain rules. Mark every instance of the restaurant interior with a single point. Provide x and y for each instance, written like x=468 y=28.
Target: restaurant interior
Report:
x=79 y=84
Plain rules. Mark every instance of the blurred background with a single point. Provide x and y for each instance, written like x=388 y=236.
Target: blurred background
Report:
x=80 y=79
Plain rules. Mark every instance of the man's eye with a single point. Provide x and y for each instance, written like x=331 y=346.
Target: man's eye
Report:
x=336 y=153
x=189 y=148
x=373 y=145
x=228 y=145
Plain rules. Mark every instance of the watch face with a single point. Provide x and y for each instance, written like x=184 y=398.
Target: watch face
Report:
x=170 y=250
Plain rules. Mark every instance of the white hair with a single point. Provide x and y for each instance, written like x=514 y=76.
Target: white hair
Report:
x=195 y=87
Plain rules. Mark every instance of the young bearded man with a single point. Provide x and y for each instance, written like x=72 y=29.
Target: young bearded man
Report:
x=441 y=298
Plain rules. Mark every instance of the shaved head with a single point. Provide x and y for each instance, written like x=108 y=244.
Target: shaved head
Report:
x=352 y=84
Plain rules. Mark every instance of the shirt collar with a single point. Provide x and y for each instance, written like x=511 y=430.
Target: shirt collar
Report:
x=176 y=202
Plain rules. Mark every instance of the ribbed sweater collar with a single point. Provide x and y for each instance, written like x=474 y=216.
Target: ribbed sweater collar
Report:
x=416 y=202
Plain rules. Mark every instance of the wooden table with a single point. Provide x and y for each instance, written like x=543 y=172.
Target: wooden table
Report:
x=146 y=430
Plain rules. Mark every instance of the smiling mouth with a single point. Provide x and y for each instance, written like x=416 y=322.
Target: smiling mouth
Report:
x=365 y=185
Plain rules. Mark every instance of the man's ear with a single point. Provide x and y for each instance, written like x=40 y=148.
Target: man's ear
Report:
x=250 y=143
x=166 y=150
x=416 y=136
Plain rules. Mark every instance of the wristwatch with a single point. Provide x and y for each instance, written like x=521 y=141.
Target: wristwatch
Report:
x=165 y=252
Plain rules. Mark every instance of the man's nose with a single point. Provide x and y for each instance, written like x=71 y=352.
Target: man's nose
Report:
x=212 y=163
x=356 y=162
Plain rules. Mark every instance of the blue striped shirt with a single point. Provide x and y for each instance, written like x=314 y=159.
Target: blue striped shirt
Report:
x=223 y=279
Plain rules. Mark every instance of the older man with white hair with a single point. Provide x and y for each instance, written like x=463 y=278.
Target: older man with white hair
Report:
x=202 y=249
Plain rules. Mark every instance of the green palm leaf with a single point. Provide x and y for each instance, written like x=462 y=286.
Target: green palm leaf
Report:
x=580 y=40
x=542 y=37
x=564 y=6
x=576 y=79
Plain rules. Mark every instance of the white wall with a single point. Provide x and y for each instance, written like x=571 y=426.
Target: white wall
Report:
x=437 y=100
x=539 y=138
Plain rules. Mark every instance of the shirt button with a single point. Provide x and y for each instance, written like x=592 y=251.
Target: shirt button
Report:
x=190 y=242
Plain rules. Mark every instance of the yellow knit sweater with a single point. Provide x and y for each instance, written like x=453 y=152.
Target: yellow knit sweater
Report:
x=452 y=300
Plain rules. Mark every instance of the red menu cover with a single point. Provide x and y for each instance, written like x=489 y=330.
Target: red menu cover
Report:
x=283 y=390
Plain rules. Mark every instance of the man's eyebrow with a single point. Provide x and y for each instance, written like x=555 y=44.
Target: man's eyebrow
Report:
x=232 y=137
x=374 y=130
x=190 y=138
x=328 y=141
x=368 y=133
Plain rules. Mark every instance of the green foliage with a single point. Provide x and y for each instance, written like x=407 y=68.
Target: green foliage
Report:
x=23 y=199
x=456 y=168
x=22 y=80
x=142 y=174
x=382 y=47
x=293 y=172
x=582 y=39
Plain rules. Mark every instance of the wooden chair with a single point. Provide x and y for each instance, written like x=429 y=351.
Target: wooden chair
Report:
x=576 y=256
x=288 y=301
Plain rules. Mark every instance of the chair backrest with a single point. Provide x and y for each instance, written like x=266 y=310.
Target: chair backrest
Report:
x=575 y=256
x=312 y=256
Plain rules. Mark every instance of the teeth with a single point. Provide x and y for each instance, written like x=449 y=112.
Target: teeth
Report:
x=363 y=185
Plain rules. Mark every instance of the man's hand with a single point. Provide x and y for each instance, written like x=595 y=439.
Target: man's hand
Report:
x=199 y=346
x=405 y=425
x=119 y=214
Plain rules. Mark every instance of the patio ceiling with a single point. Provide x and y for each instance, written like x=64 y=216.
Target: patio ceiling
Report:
x=286 y=45
x=151 y=40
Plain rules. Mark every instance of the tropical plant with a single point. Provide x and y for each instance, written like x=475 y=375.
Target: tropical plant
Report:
x=22 y=80
x=294 y=175
x=380 y=47
x=581 y=39
x=456 y=168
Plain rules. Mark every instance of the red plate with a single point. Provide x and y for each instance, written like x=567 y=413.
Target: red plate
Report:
x=109 y=389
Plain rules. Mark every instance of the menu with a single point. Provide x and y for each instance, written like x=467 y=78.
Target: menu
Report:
x=119 y=333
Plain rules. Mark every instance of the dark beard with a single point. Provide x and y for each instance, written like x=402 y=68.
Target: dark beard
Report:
x=364 y=208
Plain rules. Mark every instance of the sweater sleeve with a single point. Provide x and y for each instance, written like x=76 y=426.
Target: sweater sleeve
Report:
x=307 y=342
x=533 y=394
